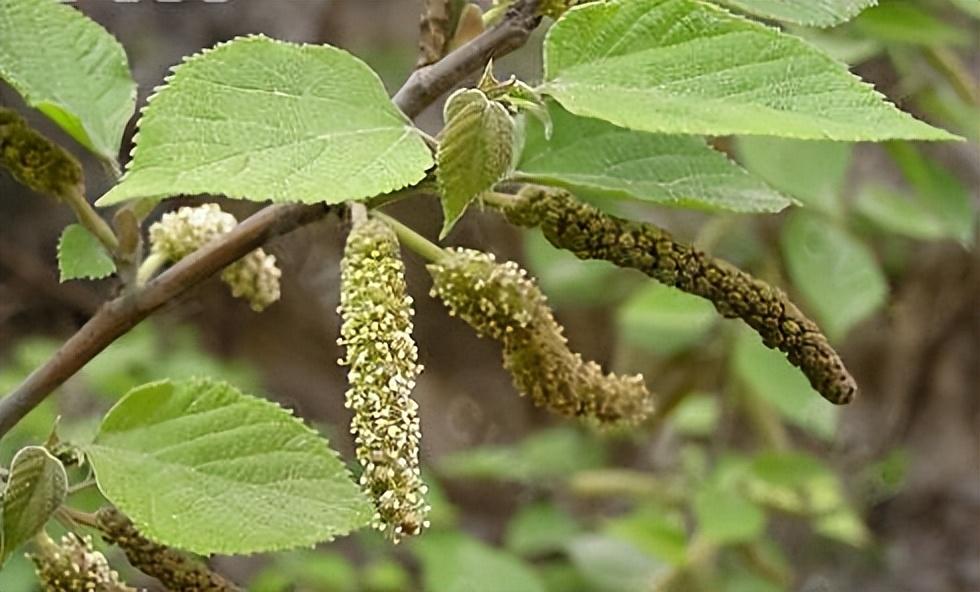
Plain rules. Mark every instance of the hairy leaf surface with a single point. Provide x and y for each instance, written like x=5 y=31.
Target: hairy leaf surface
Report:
x=816 y=13
x=81 y=255
x=37 y=487
x=685 y=67
x=200 y=466
x=69 y=68
x=475 y=151
x=261 y=119
x=593 y=157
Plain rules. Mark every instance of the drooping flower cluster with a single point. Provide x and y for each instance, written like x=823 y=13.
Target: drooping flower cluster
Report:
x=174 y=570
x=34 y=160
x=500 y=301
x=383 y=360
x=254 y=277
x=74 y=566
x=592 y=234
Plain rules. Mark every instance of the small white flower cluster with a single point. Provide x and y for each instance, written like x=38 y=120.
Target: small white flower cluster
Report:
x=383 y=359
x=255 y=277
x=75 y=566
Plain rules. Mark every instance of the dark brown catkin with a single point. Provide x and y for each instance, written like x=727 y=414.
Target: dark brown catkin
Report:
x=591 y=234
x=499 y=301
x=34 y=160
x=175 y=571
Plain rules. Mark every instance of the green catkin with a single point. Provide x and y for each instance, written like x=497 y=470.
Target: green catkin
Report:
x=174 y=570
x=591 y=234
x=34 y=160
x=254 y=277
x=500 y=301
x=383 y=360
x=74 y=566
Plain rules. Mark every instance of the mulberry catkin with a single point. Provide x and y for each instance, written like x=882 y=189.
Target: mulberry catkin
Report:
x=254 y=277
x=591 y=234
x=383 y=361
x=174 y=570
x=34 y=160
x=74 y=566
x=500 y=301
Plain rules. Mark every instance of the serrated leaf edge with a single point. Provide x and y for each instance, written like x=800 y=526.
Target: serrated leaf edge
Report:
x=938 y=134
x=147 y=530
x=190 y=59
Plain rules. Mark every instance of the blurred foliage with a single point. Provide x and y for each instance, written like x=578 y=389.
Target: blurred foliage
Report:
x=748 y=451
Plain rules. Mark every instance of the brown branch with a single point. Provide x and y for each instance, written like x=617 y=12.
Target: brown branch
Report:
x=118 y=316
x=425 y=85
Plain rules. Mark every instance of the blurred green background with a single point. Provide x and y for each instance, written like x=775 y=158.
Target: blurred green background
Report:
x=745 y=480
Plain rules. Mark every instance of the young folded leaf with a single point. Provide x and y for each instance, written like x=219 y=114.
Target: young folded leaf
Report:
x=500 y=301
x=475 y=151
x=592 y=234
x=383 y=360
x=36 y=487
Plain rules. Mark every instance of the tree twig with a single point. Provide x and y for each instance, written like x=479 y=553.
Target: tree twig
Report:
x=118 y=316
x=428 y=83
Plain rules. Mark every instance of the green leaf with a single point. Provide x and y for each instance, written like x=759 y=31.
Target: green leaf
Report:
x=543 y=457
x=894 y=212
x=593 y=157
x=613 y=565
x=844 y=525
x=629 y=62
x=200 y=466
x=475 y=151
x=538 y=529
x=81 y=255
x=260 y=119
x=664 y=319
x=454 y=562
x=69 y=68
x=837 y=274
x=36 y=488
x=899 y=21
x=813 y=172
x=725 y=517
x=654 y=529
x=696 y=415
x=812 y=13
x=938 y=190
x=768 y=375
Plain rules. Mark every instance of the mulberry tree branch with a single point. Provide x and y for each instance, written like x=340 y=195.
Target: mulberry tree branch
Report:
x=118 y=316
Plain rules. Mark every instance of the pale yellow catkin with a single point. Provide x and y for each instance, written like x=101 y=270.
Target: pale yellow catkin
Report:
x=383 y=360
x=254 y=278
